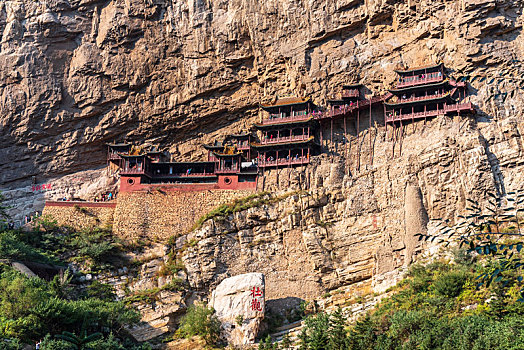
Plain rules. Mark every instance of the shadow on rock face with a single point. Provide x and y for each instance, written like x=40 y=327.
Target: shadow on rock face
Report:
x=283 y=304
x=280 y=312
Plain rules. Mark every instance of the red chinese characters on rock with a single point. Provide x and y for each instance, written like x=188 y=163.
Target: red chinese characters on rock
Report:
x=42 y=187
x=256 y=293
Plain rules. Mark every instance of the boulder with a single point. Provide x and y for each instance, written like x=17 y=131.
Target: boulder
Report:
x=239 y=304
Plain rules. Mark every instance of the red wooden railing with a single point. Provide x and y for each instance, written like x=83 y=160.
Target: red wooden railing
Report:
x=412 y=81
x=457 y=107
x=350 y=93
x=233 y=170
x=286 y=119
x=113 y=156
x=350 y=108
x=284 y=139
x=422 y=98
x=81 y=204
x=160 y=176
x=135 y=171
x=283 y=162
x=447 y=108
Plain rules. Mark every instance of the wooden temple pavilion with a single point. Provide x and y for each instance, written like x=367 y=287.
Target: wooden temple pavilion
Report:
x=113 y=153
x=425 y=92
x=287 y=136
x=349 y=95
x=142 y=170
x=232 y=157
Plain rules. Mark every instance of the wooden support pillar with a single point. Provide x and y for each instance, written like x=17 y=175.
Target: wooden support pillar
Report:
x=345 y=144
x=332 y=143
x=321 y=138
x=413 y=117
x=401 y=137
x=370 y=140
x=358 y=140
x=385 y=121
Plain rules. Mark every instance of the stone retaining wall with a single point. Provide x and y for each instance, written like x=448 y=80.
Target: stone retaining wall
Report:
x=81 y=215
x=158 y=215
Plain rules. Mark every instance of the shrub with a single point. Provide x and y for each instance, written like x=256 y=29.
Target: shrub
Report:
x=101 y=291
x=11 y=247
x=450 y=284
x=202 y=321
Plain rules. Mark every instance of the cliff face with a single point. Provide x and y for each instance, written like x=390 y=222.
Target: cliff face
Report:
x=78 y=73
x=343 y=226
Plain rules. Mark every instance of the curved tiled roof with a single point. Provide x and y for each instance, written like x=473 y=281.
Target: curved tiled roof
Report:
x=415 y=69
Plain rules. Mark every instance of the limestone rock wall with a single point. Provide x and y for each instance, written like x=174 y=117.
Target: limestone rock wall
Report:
x=346 y=226
x=77 y=74
x=80 y=216
x=82 y=185
x=239 y=305
x=158 y=215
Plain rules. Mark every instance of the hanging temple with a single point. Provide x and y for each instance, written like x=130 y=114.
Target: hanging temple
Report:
x=290 y=134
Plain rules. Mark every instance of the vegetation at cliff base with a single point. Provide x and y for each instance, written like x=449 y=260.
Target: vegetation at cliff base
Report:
x=60 y=312
x=200 y=321
x=438 y=306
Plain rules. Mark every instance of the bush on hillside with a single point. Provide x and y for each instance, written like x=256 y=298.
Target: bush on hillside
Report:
x=200 y=321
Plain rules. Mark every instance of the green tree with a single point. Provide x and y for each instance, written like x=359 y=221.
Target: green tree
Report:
x=493 y=230
x=363 y=335
x=60 y=284
x=3 y=209
x=337 y=334
x=266 y=343
x=286 y=342
x=202 y=321
x=316 y=332
x=19 y=293
x=101 y=291
x=79 y=342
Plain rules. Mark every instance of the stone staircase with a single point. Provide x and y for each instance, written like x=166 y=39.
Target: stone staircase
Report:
x=291 y=329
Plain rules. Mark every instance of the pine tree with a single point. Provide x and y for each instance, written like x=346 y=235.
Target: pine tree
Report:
x=317 y=336
x=286 y=342
x=338 y=338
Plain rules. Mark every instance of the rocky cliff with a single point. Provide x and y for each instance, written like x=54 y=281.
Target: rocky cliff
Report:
x=79 y=73
x=76 y=74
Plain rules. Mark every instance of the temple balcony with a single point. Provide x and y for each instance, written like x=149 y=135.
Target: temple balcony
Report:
x=134 y=171
x=350 y=93
x=243 y=146
x=421 y=98
x=285 y=139
x=454 y=108
x=166 y=176
x=284 y=162
x=282 y=120
x=113 y=156
x=413 y=81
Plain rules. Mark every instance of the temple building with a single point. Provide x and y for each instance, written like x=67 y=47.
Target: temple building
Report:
x=287 y=136
x=425 y=92
x=240 y=141
x=143 y=170
x=349 y=95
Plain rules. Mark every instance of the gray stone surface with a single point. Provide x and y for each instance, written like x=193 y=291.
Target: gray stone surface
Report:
x=239 y=303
